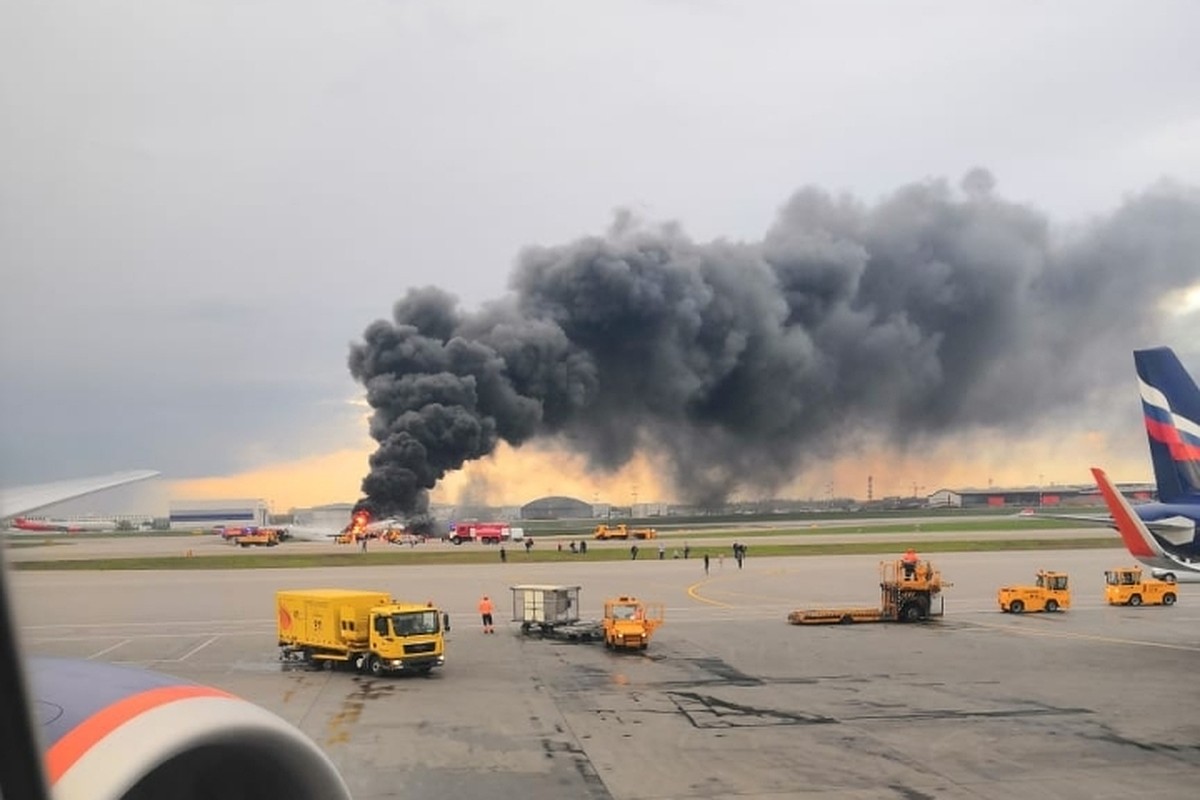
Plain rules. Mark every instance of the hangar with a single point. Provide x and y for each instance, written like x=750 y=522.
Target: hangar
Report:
x=556 y=508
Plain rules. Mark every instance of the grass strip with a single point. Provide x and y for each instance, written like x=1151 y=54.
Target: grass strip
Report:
x=491 y=555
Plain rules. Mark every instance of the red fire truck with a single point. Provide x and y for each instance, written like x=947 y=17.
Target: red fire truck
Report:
x=484 y=532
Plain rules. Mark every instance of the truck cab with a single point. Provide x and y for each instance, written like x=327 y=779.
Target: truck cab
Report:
x=1050 y=592
x=403 y=637
x=1125 y=586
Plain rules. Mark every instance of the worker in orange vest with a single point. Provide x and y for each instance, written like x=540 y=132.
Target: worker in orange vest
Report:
x=909 y=559
x=485 y=611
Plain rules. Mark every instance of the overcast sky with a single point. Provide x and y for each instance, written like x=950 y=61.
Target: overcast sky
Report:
x=202 y=204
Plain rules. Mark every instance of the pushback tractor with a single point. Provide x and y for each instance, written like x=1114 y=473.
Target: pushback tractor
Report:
x=1125 y=586
x=1051 y=592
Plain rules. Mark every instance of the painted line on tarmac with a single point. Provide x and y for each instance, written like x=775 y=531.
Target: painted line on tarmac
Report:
x=693 y=592
x=261 y=621
x=1084 y=636
x=90 y=637
x=196 y=649
x=109 y=649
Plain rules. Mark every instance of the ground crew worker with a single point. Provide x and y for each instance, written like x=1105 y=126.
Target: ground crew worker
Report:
x=909 y=560
x=706 y=563
x=485 y=612
x=662 y=551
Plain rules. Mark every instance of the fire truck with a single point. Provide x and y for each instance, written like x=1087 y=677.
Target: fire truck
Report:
x=484 y=532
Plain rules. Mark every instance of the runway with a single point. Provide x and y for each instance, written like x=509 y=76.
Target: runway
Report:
x=729 y=701
x=39 y=548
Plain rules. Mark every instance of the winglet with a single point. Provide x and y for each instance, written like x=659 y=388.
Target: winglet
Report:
x=1138 y=539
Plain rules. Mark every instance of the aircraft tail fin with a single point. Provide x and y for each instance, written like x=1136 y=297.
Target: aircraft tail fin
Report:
x=1171 y=412
x=1138 y=539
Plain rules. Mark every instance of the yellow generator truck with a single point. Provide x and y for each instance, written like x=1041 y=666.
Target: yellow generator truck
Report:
x=1049 y=593
x=908 y=592
x=1126 y=587
x=367 y=630
x=623 y=531
x=629 y=623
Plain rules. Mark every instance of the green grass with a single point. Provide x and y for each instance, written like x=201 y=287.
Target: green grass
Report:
x=491 y=556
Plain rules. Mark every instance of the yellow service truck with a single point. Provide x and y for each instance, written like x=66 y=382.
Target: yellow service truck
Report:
x=368 y=630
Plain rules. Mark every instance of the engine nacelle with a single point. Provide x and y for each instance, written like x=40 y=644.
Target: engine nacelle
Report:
x=118 y=733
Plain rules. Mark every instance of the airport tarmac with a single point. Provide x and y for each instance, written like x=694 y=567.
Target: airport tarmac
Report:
x=729 y=701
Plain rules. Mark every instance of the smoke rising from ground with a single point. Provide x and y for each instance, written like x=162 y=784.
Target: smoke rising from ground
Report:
x=936 y=311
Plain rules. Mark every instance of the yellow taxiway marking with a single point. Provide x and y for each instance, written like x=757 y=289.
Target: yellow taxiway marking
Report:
x=693 y=592
x=1084 y=636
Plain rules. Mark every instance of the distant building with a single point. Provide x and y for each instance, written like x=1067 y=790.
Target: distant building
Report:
x=202 y=514
x=1029 y=497
x=643 y=510
x=556 y=508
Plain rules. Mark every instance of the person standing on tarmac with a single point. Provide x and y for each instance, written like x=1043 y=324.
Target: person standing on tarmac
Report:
x=485 y=612
x=706 y=563
x=633 y=552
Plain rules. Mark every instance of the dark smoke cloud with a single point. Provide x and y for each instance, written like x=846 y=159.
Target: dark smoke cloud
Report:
x=934 y=312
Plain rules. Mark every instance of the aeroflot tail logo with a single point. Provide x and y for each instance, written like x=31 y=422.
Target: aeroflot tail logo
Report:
x=1180 y=435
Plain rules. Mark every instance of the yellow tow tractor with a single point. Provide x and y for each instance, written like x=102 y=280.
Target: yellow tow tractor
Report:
x=1049 y=593
x=629 y=623
x=907 y=593
x=1125 y=586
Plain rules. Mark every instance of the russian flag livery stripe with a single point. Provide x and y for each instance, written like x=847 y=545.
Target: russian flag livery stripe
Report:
x=80 y=739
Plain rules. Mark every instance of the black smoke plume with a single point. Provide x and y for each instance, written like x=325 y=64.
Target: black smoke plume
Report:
x=933 y=312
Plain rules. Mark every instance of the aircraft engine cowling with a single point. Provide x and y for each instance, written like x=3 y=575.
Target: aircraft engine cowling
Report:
x=118 y=733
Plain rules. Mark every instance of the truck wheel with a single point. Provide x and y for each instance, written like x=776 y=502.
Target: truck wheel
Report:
x=375 y=665
x=1169 y=599
x=360 y=663
x=1135 y=600
x=1016 y=607
x=911 y=612
x=1052 y=606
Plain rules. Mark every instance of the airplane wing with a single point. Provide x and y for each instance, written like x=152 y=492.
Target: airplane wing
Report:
x=110 y=732
x=1168 y=527
x=23 y=499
